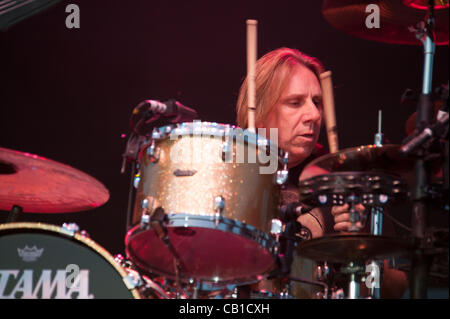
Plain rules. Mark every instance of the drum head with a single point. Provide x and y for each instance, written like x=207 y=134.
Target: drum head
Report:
x=43 y=261
x=206 y=253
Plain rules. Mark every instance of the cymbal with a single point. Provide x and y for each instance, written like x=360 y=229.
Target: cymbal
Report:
x=396 y=17
x=369 y=158
x=40 y=185
x=353 y=247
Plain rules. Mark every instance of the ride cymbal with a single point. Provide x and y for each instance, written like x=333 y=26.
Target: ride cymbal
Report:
x=396 y=19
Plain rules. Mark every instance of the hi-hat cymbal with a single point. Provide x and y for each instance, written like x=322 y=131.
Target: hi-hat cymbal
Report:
x=353 y=247
x=40 y=185
x=396 y=17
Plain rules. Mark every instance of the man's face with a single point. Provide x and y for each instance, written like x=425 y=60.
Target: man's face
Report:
x=297 y=115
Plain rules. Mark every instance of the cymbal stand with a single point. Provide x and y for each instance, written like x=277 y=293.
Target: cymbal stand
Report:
x=420 y=262
x=376 y=215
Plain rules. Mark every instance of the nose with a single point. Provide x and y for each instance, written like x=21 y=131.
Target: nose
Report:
x=311 y=112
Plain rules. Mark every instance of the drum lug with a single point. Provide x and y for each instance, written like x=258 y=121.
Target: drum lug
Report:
x=70 y=229
x=219 y=205
x=156 y=135
x=276 y=227
x=145 y=221
x=282 y=175
x=137 y=180
x=153 y=152
x=226 y=152
x=132 y=282
x=148 y=206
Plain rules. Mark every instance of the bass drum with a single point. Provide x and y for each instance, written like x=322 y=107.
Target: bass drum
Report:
x=41 y=261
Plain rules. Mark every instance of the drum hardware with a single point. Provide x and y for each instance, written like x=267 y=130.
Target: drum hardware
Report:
x=70 y=229
x=219 y=205
x=373 y=190
x=287 y=229
x=276 y=228
x=422 y=173
x=226 y=152
x=355 y=271
x=136 y=180
x=282 y=176
x=135 y=280
x=153 y=152
x=376 y=215
x=158 y=220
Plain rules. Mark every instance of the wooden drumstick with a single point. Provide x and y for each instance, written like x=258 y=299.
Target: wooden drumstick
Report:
x=328 y=107
x=251 y=63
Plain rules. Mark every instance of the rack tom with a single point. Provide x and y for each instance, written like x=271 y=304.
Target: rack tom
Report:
x=216 y=183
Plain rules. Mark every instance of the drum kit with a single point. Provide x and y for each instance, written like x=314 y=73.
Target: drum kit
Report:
x=204 y=223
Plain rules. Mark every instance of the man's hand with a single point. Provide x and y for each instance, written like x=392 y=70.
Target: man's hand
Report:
x=341 y=216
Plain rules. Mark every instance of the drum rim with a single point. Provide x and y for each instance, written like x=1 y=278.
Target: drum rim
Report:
x=187 y=128
x=76 y=237
x=246 y=231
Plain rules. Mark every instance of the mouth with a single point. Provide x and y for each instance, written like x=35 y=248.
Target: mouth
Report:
x=307 y=136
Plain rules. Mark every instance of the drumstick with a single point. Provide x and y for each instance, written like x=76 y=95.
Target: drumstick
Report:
x=328 y=107
x=251 y=62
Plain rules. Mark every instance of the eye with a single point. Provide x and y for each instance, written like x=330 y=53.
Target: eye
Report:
x=318 y=103
x=294 y=102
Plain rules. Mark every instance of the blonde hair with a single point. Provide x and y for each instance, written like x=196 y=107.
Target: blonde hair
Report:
x=272 y=73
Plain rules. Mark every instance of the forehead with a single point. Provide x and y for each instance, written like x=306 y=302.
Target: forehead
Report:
x=301 y=81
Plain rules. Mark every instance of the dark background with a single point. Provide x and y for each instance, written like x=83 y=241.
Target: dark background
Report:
x=67 y=94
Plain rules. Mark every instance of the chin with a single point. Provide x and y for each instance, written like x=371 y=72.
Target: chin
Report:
x=298 y=155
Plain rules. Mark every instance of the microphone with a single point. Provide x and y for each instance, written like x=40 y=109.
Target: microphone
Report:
x=172 y=109
x=292 y=211
x=429 y=132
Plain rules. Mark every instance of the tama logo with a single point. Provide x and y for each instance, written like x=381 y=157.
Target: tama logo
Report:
x=59 y=284
x=30 y=254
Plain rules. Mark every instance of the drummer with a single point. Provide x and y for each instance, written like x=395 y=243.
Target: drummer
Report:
x=289 y=98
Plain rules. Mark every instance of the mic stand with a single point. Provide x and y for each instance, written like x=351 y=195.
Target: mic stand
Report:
x=289 y=215
x=130 y=155
x=158 y=221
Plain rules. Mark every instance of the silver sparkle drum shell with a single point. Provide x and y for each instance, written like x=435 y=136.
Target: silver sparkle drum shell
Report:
x=231 y=246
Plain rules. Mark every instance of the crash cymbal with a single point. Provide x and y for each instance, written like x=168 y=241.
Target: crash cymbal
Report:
x=353 y=247
x=369 y=158
x=40 y=185
x=396 y=17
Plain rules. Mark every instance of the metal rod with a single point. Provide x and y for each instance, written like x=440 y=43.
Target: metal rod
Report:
x=353 y=287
